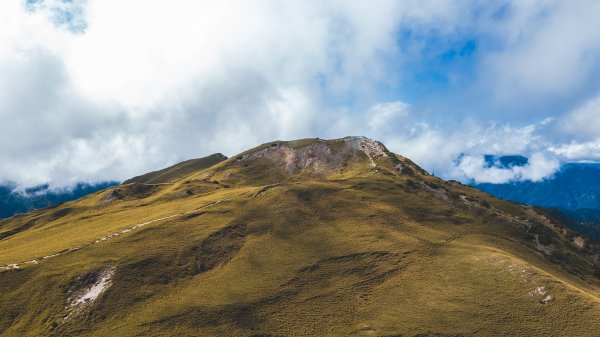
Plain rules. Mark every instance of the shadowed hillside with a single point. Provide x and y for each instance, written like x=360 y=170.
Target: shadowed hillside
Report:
x=302 y=238
x=572 y=193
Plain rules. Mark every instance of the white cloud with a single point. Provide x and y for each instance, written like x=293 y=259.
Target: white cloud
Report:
x=578 y=151
x=457 y=151
x=139 y=88
x=584 y=121
x=436 y=148
x=385 y=114
x=475 y=168
x=549 y=49
x=106 y=89
x=539 y=167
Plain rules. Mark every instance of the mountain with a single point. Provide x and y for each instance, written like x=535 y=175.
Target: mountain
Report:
x=301 y=238
x=178 y=171
x=504 y=162
x=585 y=221
x=574 y=186
x=573 y=193
x=14 y=201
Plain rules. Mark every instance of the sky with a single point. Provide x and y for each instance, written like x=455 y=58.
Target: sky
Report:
x=96 y=90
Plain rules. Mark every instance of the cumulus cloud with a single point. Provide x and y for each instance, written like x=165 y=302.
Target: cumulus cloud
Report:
x=109 y=90
x=583 y=121
x=585 y=151
x=385 y=114
x=545 y=52
x=539 y=167
x=438 y=147
x=458 y=151
x=104 y=89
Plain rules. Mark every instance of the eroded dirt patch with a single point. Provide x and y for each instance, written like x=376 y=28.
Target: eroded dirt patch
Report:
x=85 y=289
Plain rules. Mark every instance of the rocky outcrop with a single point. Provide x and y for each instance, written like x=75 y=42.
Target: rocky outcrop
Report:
x=321 y=156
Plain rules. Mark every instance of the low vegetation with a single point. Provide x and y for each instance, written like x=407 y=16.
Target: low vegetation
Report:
x=304 y=238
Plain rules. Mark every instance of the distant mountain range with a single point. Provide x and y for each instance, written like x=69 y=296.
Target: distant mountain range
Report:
x=572 y=193
x=14 y=201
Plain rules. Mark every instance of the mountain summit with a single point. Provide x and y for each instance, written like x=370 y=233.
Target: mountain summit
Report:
x=315 y=158
x=322 y=157
x=296 y=238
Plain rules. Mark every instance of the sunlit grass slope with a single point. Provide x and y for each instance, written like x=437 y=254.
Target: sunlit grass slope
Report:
x=177 y=171
x=302 y=238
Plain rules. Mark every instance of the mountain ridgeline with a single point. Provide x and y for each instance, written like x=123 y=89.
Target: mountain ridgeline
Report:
x=177 y=171
x=574 y=186
x=14 y=201
x=296 y=238
x=572 y=193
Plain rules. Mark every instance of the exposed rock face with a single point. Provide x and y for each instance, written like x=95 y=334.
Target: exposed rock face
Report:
x=373 y=149
x=321 y=156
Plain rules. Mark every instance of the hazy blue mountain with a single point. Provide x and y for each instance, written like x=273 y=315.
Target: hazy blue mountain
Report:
x=573 y=193
x=14 y=201
x=505 y=161
x=575 y=186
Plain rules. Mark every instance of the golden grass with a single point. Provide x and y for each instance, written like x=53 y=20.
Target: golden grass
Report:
x=363 y=252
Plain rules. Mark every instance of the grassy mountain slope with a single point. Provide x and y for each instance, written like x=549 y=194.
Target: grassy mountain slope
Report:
x=572 y=193
x=177 y=171
x=302 y=238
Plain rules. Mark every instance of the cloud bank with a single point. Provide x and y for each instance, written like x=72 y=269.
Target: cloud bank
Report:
x=102 y=90
x=538 y=168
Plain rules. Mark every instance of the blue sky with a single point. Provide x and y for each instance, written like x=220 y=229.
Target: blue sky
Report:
x=103 y=90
